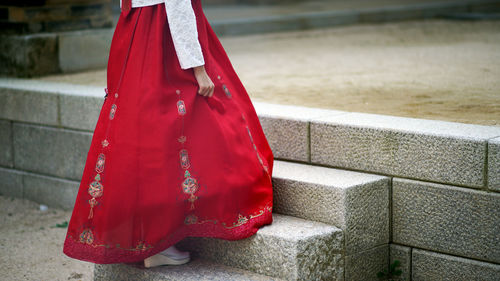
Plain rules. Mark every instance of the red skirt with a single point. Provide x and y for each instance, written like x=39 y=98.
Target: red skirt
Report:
x=166 y=163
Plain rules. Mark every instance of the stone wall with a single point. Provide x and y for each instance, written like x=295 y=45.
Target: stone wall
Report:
x=442 y=177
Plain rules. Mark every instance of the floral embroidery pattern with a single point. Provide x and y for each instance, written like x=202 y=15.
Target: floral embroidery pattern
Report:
x=112 y=112
x=99 y=166
x=181 y=107
x=226 y=90
x=241 y=220
x=189 y=185
x=87 y=236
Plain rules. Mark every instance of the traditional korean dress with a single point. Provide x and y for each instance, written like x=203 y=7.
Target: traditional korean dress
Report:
x=166 y=163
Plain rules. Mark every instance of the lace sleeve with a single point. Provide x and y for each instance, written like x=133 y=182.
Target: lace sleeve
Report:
x=182 y=23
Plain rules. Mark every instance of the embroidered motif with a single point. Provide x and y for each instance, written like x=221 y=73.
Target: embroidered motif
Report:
x=87 y=236
x=116 y=95
x=105 y=143
x=181 y=107
x=99 y=166
x=95 y=190
x=218 y=77
x=191 y=219
x=264 y=166
x=141 y=246
x=182 y=139
x=178 y=92
x=190 y=186
x=226 y=90
x=112 y=112
x=184 y=159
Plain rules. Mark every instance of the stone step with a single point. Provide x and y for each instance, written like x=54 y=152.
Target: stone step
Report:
x=195 y=270
x=290 y=248
x=358 y=203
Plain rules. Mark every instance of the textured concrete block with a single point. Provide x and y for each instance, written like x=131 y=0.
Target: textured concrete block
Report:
x=28 y=106
x=431 y=150
x=93 y=45
x=494 y=164
x=11 y=183
x=355 y=202
x=80 y=112
x=433 y=266
x=50 y=151
x=195 y=270
x=290 y=248
x=403 y=255
x=287 y=128
x=6 y=153
x=365 y=265
x=447 y=219
x=53 y=192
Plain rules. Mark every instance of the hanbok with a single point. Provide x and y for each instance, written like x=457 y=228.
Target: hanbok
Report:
x=167 y=163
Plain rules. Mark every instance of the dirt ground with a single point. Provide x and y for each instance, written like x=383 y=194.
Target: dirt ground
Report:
x=434 y=69
x=31 y=244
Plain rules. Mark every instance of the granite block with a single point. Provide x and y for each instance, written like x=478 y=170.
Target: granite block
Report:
x=6 y=152
x=356 y=202
x=447 y=219
x=50 y=151
x=434 y=266
x=11 y=183
x=53 y=192
x=290 y=248
x=430 y=150
x=365 y=265
x=403 y=255
x=494 y=164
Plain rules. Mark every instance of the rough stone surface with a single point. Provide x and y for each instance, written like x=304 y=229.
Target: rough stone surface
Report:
x=434 y=266
x=365 y=265
x=80 y=112
x=494 y=164
x=28 y=106
x=195 y=270
x=403 y=255
x=53 y=192
x=355 y=202
x=287 y=128
x=290 y=248
x=447 y=219
x=29 y=55
x=93 y=44
x=11 y=183
x=6 y=153
x=50 y=151
x=432 y=150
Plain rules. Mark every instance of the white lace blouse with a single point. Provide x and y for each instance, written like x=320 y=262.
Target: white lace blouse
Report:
x=182 y=23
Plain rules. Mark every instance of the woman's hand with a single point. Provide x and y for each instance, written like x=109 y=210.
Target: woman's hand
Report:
x=204 y=82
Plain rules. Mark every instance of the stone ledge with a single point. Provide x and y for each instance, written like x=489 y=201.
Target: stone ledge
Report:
x=355 y=202
x=195 y=270
x=290 y=248
x=51 y=191
x=447 y=219
x=430 y=150
x=494 y=164
x=434 y=266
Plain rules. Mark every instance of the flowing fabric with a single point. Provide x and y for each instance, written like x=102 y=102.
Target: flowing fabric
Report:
x=166 y=163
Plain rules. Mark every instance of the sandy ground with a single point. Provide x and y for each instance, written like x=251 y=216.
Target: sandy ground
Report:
x=435 y=69
x=31 y=244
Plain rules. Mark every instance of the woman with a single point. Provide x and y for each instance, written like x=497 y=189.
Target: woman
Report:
x=178 y=149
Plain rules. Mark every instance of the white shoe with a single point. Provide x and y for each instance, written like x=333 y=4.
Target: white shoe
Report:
x=170 y=256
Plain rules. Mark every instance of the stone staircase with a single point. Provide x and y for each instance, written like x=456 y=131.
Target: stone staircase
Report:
x=352 y=191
